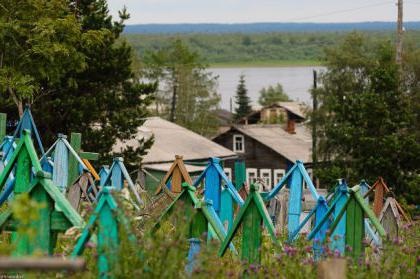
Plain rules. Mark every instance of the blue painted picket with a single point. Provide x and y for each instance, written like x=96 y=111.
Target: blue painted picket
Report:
x=116 y=177
x=60 y=151
x=340 y=199
x=103 y=174
x=27 y=123
x=294 y=177
x=213 y=177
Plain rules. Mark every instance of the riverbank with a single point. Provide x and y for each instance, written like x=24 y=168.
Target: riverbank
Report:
x=267 y=64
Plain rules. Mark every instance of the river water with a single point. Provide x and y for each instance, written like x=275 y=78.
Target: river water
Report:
x=296 y=81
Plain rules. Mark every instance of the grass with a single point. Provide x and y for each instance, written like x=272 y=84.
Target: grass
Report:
x=265 y=63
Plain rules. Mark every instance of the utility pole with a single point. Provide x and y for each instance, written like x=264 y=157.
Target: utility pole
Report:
x=399 y=33
x=314 y=110
x=173 y=104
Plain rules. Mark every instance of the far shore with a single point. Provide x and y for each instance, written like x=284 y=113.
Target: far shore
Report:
x=264 y=64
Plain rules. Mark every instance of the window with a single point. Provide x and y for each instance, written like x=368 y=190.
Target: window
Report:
x=251 y=176
x=228 y=172
x=265 y=175
x=238 y=143
x=278 y=175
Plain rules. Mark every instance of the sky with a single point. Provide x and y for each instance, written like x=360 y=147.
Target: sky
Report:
x=242 y=11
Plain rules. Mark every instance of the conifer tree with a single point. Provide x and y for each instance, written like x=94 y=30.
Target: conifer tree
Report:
x=242 y=100
x=103 y=100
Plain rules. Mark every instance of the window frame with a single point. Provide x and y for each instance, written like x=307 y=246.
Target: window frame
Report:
x=234 y=143
x=266 y=171
x=276 y=172
x=248 y=171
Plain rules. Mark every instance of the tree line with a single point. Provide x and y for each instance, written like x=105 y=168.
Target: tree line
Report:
x=69 y=62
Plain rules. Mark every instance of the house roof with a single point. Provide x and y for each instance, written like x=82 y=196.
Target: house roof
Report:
x=296 y=108
x=171 y=139
x=291 y=146
x=166 y=166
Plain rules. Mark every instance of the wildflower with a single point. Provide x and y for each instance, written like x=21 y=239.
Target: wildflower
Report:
x=337 y=253
x=253 y=268
x=349 y=248
x=365 y=242
x=375 y=250
x=90 y=244
x=367 y=263
x=397 y=241
x=308 y=249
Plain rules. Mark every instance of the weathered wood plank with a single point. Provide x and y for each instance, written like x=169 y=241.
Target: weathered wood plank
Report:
x=73 y=167
x=47 y=264
x=92 y=156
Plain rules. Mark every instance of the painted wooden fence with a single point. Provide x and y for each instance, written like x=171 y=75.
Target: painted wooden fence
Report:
x=116 y=177
x=215 y=183
x=355 y=209
x=42 y=190
x=197 y=216
x=176 y=175
x=294 y=178
x=106 y=221
x=252 y=215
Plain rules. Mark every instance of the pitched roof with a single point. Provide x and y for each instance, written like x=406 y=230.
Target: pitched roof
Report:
x=296 y=108
x=171 y=139
x=291 y=146
x=166 y=166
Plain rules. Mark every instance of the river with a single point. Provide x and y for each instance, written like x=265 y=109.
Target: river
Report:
x=296 y=81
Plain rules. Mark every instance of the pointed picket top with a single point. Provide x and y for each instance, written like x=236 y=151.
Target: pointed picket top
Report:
x=103 y=174
x=105 y=221
x=355 y=208
x=253 y=214
x=381 y=190
x=43 y=180
x=214 y=173
x=116 y=177
x=299 y=168
x=176 y=175
x=61 y=151
x=188 y=194
x=50 y=221
x=392 y=217
x=25 y=150
x=295 y=178
x=364 y=188
x=27 y=122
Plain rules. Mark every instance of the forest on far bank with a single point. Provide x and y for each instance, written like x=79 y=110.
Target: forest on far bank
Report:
x=258 y=49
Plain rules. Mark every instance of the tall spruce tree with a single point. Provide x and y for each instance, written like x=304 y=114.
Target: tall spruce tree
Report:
x=104 y=100
x=242 y=100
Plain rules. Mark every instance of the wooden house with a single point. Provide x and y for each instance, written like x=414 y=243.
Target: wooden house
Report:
x=171 y=139
x=279 y=112
x=267 y=149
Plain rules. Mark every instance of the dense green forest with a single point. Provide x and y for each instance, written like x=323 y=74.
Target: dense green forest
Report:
x=258 y=49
